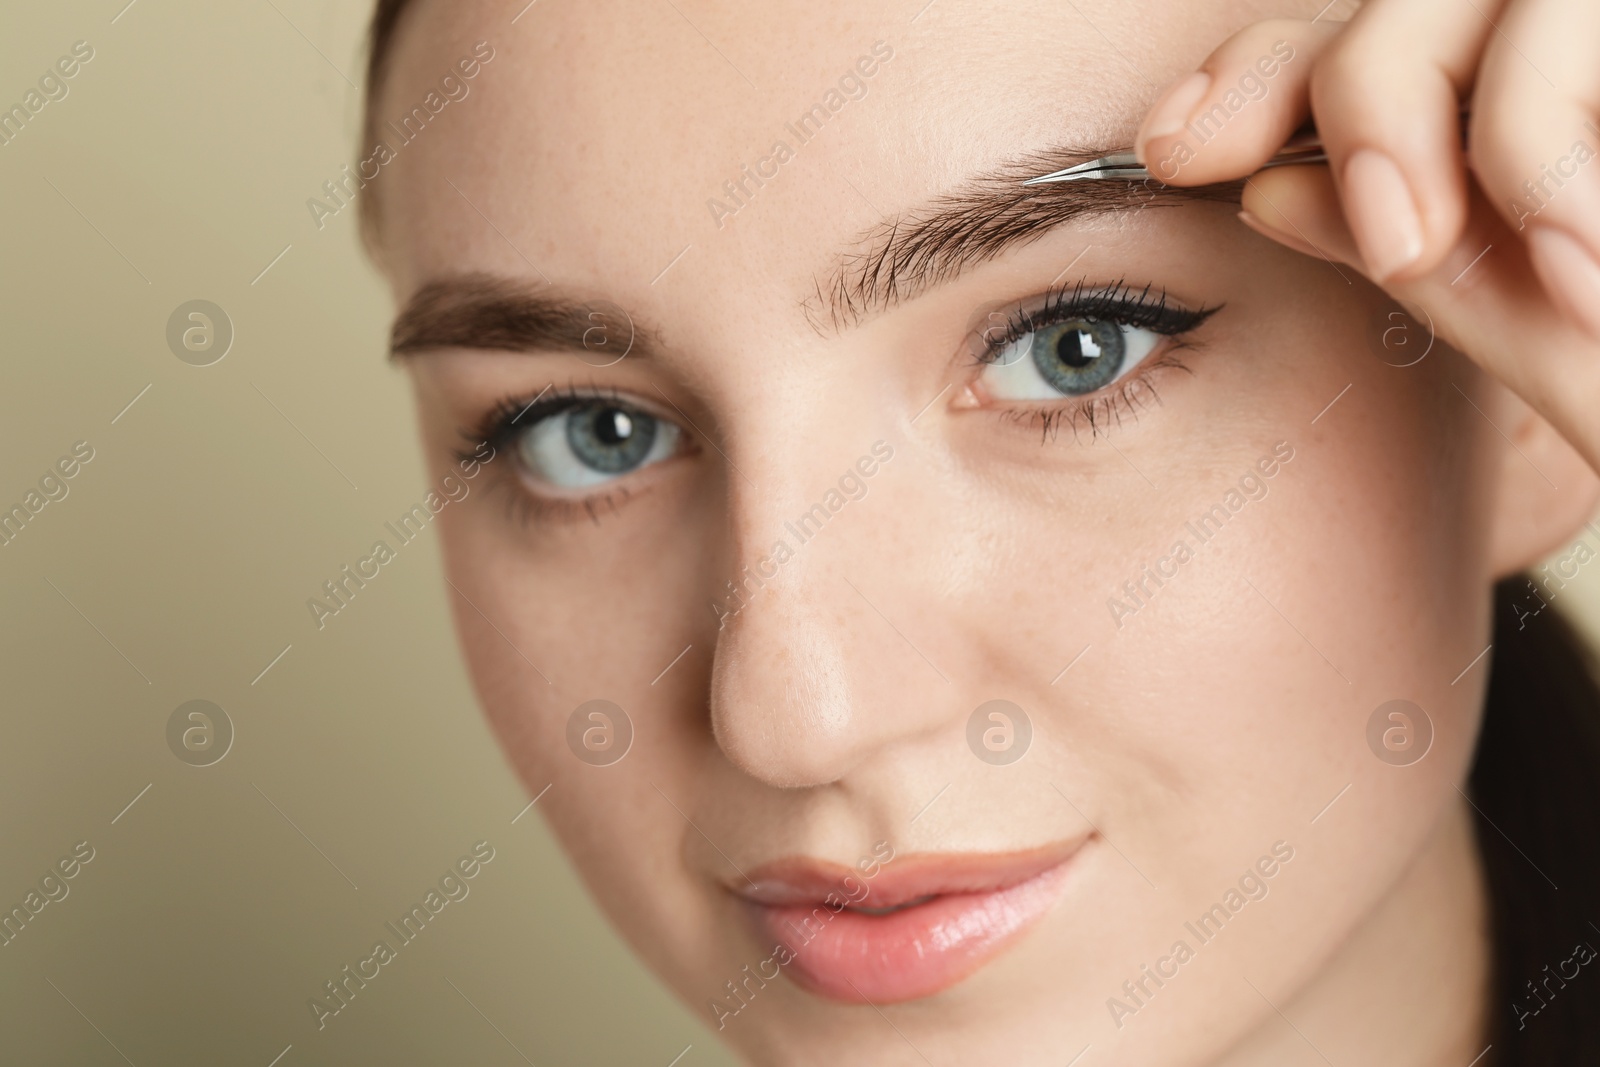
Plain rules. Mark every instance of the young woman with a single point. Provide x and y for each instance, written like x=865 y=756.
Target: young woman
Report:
x=966 y=622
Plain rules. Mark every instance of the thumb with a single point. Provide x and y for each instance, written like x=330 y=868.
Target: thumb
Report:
x=1300 y=208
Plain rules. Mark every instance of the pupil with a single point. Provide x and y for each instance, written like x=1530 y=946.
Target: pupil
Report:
x=613 y=427
x=1076 y=348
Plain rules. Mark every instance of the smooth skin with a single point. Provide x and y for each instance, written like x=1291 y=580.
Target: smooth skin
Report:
x=1222 y=716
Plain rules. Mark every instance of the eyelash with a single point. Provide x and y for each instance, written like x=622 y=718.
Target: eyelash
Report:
x=1119 y=304
x=511 y=416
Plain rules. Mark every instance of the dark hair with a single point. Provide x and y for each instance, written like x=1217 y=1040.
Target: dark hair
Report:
x=380 y=44
x=385 y=17
x=1535 y=784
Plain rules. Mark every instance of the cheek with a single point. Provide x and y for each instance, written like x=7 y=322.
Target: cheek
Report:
x=551 y=618
x=1231 y=703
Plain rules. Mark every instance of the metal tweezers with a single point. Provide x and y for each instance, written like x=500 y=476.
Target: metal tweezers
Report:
x=1304 y=147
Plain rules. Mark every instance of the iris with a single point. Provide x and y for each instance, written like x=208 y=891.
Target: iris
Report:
x=1078 y=356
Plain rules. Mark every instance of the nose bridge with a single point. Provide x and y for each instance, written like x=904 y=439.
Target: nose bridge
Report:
x=801 y=692
x=798 y=511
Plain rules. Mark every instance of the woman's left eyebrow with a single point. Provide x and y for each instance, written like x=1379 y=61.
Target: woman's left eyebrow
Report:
x=925 y=246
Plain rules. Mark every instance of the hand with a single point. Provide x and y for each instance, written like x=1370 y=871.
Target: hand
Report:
x=1500 y=244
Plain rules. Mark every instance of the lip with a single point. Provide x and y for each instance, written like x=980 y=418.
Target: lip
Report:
x=935 y=919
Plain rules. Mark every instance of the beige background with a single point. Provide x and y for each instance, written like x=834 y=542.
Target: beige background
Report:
x=181 y=561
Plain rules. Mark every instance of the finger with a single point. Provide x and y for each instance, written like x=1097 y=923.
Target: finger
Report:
x=1386 y=95
x=1233 y=114
x=1481 y=298
x=1299 y=207
x=1535 y=139
x=1486 y=302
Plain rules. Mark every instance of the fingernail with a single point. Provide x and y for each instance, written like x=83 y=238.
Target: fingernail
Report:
x=1570 y=274
x=1172 y=111
x=1382 y=214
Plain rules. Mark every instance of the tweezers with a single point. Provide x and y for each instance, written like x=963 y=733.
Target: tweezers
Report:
x=1303 y=147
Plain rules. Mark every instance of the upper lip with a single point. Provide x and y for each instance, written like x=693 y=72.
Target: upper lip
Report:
x=907 y=878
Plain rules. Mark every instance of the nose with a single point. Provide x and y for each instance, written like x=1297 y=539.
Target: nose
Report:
x=817 y=665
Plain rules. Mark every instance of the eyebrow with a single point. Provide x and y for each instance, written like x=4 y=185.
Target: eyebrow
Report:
x=977 y=221
x=478 y=310
x=893 y=261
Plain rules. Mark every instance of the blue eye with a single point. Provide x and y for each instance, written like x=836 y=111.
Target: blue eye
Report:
x=590 y=443
x=1064 y=359
x=1076 y=341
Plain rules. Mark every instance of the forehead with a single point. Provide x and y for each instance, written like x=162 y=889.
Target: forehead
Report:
x=605 y=140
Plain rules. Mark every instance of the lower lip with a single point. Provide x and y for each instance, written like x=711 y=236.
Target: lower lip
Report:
x=913 y=952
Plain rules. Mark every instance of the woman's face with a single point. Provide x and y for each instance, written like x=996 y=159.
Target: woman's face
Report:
x=893 y=439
